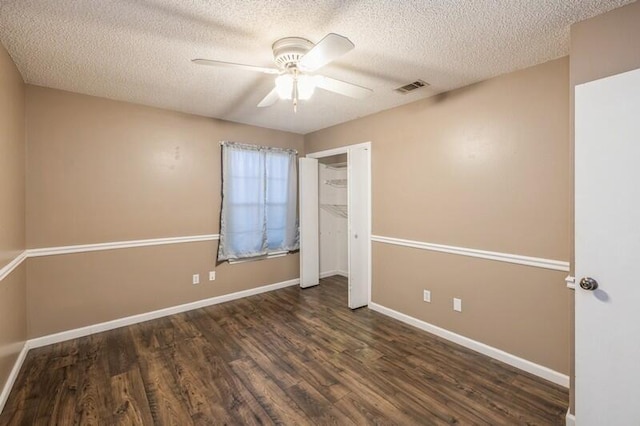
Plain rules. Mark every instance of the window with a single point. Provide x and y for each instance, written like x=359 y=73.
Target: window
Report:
x=259 y=201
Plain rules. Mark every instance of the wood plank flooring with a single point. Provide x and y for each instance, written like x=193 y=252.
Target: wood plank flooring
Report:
x=289 y=357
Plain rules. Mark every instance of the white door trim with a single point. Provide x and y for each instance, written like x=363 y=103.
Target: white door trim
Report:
x=309 y=223
x=339 y=150
x=344 y=150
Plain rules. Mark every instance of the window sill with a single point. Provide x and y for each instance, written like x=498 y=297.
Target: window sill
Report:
x=271 y=255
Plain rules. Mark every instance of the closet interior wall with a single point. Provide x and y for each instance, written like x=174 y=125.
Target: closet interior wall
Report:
x=332 y=179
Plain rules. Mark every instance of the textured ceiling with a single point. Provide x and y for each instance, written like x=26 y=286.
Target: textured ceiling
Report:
x=140 y=50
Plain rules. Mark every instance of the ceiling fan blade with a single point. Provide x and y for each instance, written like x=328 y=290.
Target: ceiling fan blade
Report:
x=270 y=99
x=343 y=88
x=232 y=65
x=331 y=47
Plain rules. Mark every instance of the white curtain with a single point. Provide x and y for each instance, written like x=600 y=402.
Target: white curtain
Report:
x=259 y=201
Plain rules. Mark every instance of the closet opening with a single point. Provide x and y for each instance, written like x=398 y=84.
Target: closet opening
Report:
x=335 y=219
x=333 y=214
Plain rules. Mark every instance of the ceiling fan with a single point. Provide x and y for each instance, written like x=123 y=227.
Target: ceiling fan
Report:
x=296 y=59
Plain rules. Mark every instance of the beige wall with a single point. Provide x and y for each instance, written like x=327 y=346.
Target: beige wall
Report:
x=481 y=167
x=519 y=309
x=601 y=47
x=99 y=171
x=484 y=167
x=605 y=45
x=77 y=290
x=102 y=170
x=12 y=208
x=12 y=160
x=13 y=324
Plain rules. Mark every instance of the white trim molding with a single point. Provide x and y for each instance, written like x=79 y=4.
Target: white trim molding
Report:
x=334 y=272
x=134 y=319
x=121 y=322
x=556 y=265
x=570 y=419
x=326 y=274
x=13 y=375
x=495 y=353
x=9 y=267
x=83 y=248
x=338 y=150
x=52 y=251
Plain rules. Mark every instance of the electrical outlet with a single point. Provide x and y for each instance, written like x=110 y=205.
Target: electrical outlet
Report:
x=196 y=278
x=212 y=275
x=457 y=304
x=426 y=296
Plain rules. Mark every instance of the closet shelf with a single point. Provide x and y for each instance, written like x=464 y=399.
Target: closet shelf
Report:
x=338 y=183
x=336 y=209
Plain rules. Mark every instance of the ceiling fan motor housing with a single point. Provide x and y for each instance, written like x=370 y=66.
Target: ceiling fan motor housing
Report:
x=289 y=50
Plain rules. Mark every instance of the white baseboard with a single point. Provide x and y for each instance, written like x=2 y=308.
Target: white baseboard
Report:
x=13 y=375
x=121 y=322
x=134 y=319
x=326 y=274
x=334 y=272
x=570 y=419
x=536 y=369
x=515 y=361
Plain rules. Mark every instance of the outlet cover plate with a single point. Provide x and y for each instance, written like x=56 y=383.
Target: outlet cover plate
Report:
x=426 y=296
x=212 y=275
x=196 y=279
x=457 y=304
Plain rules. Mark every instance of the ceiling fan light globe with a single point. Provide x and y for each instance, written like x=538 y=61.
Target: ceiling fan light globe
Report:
x=306 y=86
x=284 y=86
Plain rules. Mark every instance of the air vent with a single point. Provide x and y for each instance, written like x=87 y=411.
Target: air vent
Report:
x=418 y=84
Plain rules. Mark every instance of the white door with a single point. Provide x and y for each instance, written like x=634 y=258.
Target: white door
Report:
x=309 y=238
x=607 y=244
x=358 y=180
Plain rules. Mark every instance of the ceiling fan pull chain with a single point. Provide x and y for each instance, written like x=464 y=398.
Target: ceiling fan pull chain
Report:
x=295 y=90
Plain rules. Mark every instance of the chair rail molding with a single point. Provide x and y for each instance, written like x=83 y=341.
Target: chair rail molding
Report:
x=82 y=248
x=9 y=267
x=538 y=262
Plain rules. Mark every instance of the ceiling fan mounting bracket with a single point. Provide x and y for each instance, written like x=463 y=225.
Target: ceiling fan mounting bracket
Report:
x=288 y=51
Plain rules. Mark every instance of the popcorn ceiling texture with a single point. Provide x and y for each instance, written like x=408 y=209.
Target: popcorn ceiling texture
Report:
x=140 y=50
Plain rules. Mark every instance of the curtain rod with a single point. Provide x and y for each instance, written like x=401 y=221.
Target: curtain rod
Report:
x=222 y=143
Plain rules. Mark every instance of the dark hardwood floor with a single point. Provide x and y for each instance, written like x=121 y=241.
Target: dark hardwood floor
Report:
x=289 y=357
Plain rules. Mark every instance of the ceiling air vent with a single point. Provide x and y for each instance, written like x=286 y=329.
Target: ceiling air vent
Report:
x=412 y=86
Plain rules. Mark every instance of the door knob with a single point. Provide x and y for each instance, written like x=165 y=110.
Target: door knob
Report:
x=588 y=283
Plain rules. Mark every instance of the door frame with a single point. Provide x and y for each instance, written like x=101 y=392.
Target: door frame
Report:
x=345 y=150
